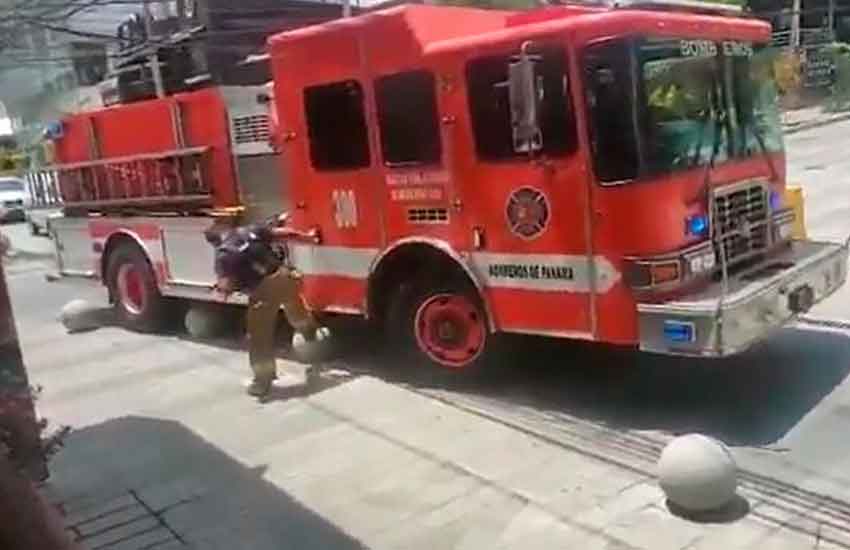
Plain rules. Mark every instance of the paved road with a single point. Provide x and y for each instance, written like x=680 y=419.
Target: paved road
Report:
x=818 y=160
x=783 y=406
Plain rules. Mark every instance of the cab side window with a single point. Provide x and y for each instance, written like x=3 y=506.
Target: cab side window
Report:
x=610 y=104
x=490 y=110
x=407 y=118
x=336 y=124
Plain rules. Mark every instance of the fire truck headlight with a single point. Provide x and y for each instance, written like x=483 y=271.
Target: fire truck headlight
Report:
x=701 y=263
x=697 y=225
x=783 y=223
x=648 y=274
x=785 y=231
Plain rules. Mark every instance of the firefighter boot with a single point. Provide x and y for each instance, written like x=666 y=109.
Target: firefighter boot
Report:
x=260 y=387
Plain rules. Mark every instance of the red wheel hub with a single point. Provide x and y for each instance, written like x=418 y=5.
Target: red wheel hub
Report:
x=131 y=288
x=450 y=330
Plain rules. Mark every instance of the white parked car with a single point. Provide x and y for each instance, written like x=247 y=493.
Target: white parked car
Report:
x=13 y=199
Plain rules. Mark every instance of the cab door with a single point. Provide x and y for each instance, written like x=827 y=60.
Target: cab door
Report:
x=526 y=204
x=329 y=157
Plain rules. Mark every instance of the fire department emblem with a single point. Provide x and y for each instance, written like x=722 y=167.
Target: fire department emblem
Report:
x=527 y=212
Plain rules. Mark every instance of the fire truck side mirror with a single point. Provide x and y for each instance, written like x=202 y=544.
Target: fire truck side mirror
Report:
x=525 y=93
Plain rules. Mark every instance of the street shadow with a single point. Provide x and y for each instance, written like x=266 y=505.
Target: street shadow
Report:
x=315 y=379
x=750 y=399
x=157 y=478
x=735 y=510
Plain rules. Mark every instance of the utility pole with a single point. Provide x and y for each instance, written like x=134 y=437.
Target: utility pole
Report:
x=795 y=24
x=830 y=19
x=181 y=13
x=346 y=8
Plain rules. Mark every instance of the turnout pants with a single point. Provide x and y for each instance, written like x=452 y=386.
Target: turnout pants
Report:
x=281 y=288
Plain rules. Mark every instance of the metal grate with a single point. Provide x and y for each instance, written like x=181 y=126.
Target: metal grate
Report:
x=251 y=129
x=740 y=221
x=427 y=215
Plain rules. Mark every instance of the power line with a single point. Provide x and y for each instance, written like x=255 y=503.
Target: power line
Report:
x=82 y=55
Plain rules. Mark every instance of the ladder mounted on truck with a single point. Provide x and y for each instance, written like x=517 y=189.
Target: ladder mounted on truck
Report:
x=172 y=179
x=43 y=188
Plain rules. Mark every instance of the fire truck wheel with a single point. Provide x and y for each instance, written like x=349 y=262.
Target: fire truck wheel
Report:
x=136 y=298
x=445 y=326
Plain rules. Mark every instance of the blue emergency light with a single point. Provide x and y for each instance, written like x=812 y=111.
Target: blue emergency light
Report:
x=775 y=201
x=697 y=225
x=678 y=332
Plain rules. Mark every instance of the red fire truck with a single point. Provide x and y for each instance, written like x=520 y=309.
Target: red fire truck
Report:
x=611 y=173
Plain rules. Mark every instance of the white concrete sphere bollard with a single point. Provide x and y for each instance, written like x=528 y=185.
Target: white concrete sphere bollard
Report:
x=80 y=315
x=313 y=351
x=204 y=322
x=697 y=473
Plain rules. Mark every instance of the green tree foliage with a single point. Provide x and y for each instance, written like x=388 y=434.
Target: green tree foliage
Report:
x=840 y=89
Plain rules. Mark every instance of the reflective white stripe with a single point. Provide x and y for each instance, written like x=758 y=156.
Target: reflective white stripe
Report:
x=341 y=261
x=153 y=247
x=545 y=272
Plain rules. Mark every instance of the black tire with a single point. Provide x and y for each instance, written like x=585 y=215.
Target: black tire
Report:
x=402 y=324
x=143 y=308
x=34 y=230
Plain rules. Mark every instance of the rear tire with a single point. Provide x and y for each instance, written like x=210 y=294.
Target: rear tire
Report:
x=34 y=230
x=136 y=299
x=443 y=327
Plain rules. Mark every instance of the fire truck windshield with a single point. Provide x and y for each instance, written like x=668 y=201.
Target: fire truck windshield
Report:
x=693 y=102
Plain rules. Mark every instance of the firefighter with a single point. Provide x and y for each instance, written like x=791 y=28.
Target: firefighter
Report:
x=247 y=260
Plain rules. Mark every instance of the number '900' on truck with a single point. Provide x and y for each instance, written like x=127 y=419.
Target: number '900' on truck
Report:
x=612 y=173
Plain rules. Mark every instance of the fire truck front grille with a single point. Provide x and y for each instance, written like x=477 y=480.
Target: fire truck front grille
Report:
x=427 y=215
x=251 y=129
x=740 y=220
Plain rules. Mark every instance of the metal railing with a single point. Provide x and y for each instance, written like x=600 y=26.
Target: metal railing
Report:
x=809 y=37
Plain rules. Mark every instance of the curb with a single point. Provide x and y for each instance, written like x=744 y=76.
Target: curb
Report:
x=815 y=124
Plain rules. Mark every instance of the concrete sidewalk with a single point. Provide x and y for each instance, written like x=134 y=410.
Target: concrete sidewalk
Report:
x=798 y=120
x=167 y=452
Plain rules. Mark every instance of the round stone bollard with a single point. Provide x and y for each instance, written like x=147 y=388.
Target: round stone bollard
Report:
x=80 y=315
x=697 y=473
x=204 y=322
x=313 y=351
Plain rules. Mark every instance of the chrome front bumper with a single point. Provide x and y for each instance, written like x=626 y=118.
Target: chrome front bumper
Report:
x=757 y=300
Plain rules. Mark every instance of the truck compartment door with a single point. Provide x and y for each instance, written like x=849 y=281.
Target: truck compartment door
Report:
x=74 y=253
